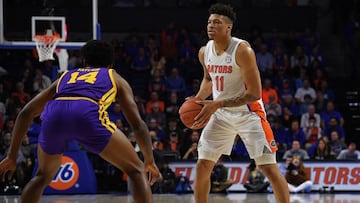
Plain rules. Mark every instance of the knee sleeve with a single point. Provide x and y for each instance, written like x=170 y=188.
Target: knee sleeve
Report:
x=211 y=156
x=266 y=159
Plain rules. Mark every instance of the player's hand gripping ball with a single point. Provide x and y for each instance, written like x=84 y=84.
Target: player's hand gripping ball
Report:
x=188 y=111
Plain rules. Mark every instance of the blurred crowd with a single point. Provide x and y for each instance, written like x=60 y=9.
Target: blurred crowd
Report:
x=163 y=69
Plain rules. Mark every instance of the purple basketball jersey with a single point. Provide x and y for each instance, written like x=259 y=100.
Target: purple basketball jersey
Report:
x=78 y=111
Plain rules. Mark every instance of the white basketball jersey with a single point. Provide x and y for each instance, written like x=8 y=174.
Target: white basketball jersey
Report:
x=227 y=81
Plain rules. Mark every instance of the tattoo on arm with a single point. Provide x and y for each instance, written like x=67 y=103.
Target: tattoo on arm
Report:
x=238 y=101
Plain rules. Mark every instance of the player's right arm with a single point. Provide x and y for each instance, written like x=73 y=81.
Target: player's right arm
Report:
x=206 y=85
x=128 y=106
x=25 y=117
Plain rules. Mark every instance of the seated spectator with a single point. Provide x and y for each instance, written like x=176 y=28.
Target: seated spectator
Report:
x=316 y=55
x=287 y=118
x=281 y=61
x=191 y=153
x=280 y=134
x=175 y=83
x=320 y=150
x=290 y=104
x=334 y=126
x=153 y=125
x=172 y=126
x=296 y=151
x=283 y=166
x=306 y=89
x=304 y=105
x=140 y=103
x=41 y=81
x=272 y=107
x=154 y=98
x=350 y=153
x=115 y=112
x=19 y=97
x=157 y=84
x=172 y=105
x=285 y=90
x=320 y=102
x=167 y=184
x=300 y=77
x=173 y=145
x=328 y=93
x=299 y=72
x=219 y=177
x=299 y=56
x=132 y=139
x=141 y=61
x=187 y=51
x=329 y=113
x=182 y=185
x=297 y=177
x=158 y=63
x=306 y=116
x=264 y=59
x=120 y=125
x=336 y=144
x=156 y=114
x=192 y=136
x=255 y=181
x=318 y=77
x=312 y=132
x=268 y=90
x=296 y=133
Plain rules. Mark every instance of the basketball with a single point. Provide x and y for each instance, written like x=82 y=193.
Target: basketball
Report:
x=188 y=111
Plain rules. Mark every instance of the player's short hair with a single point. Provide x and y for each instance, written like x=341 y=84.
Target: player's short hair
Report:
x=225 y=10
x=97 y=53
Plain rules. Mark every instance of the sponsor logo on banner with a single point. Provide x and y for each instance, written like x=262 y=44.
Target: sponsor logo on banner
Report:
x=67 y=175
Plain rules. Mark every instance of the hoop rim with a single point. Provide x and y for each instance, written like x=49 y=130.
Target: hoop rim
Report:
x=44 y=37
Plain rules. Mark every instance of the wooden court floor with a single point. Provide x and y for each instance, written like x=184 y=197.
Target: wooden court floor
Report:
x=188 y=198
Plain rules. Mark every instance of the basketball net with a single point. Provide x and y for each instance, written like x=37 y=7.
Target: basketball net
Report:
x=63 y=55
x=46 y=44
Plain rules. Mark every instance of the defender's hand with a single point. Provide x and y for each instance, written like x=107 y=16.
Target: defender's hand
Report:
x=7 y=168
x=154 y=173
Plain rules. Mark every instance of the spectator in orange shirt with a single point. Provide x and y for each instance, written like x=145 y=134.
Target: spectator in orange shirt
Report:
x=154 y=98
x=267 y=90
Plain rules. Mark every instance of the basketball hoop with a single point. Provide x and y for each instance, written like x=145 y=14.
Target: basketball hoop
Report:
x=46 y=44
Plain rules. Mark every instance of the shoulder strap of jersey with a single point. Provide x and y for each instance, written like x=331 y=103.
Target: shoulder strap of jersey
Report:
x=60 y=79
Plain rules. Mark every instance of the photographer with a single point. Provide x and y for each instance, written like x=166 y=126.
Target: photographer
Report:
x=297 y=177
x=255 y=182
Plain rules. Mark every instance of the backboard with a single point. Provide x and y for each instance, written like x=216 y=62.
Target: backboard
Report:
x=19 y=24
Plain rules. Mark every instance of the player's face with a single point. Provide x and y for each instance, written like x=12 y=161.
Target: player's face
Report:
x=217 y=26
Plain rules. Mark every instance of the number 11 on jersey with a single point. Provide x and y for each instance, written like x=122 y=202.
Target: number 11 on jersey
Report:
x=219 y=83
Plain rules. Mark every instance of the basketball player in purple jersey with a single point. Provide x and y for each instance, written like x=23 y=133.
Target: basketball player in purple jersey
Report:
x=74 y=108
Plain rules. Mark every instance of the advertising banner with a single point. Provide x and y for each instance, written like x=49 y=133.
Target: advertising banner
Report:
x=343 y=176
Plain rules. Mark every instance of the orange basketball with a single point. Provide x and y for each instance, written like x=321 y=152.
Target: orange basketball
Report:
x=188 y=111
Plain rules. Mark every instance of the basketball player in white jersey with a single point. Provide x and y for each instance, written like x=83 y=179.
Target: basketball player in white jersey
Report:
x=232 y=77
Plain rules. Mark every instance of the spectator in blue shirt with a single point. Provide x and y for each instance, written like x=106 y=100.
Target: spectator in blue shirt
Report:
x=175 y=83
x=329 y=113
x=296 y=133
x=334 y=126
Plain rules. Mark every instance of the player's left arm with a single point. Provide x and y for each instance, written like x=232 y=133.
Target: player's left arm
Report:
x=31 y=110
x=245 y=58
